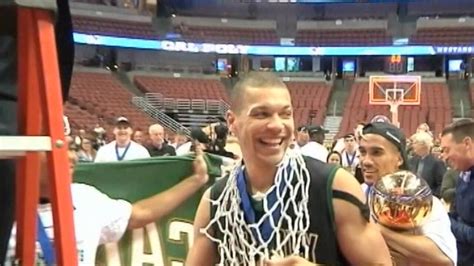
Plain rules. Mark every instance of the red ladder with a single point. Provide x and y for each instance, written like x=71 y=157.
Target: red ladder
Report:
x=40 y=111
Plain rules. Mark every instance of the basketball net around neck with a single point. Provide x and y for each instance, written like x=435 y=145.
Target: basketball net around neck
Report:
x=238 y=245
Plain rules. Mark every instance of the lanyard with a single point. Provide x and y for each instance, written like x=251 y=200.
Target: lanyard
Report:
x=351 y=161
x=265 y=229
x=45 y=243
x=120 y=157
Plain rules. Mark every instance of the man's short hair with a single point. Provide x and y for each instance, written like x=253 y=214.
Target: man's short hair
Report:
x=460 y=129
x=261 y=80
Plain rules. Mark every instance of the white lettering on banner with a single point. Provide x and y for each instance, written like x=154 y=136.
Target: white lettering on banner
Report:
x=180 y=46
x=113 y=254
x=138 y=254
x=204 y=47
x=208 y=47
x=179 y=231
x=167 y=45
x=178 y=228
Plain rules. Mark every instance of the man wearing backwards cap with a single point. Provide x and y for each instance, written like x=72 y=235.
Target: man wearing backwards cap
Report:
x=314 y=148
x=123 y=147
x=382 y=152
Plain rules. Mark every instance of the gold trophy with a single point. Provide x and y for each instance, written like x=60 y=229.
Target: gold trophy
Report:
x=401 y=201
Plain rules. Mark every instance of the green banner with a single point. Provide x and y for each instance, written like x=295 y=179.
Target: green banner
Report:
x=165 y=242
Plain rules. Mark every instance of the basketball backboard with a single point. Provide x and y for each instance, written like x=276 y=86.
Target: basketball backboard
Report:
x=387 y=90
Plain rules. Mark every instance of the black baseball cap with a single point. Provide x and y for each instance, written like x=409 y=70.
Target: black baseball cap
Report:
x=392 y=134
x=303 y=128
x=122 y=120
x=316 y=130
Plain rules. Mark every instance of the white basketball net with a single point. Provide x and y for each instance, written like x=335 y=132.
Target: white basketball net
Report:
x=238 y=245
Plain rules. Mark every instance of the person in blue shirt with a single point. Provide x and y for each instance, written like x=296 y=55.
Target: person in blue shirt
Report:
x=457 y=143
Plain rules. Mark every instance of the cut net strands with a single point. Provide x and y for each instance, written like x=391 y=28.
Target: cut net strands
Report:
x=238 y=245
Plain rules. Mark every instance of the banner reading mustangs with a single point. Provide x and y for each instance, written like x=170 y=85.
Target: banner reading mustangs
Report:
x=163 y=243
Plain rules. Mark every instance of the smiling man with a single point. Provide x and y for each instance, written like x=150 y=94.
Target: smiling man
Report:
x=457 y=143
x=123 y=147
x=382 y=151
x=278 y=207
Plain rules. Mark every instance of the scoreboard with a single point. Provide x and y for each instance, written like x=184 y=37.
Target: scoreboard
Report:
x=395 y=64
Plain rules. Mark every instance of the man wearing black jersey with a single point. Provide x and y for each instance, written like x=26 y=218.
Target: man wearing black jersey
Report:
x=261 y=117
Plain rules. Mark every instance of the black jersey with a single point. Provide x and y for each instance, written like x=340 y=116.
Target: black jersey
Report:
x=321 y=235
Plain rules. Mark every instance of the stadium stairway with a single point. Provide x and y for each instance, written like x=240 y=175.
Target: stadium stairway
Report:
x=340 y=91
x=460 y=98
x=332 y=124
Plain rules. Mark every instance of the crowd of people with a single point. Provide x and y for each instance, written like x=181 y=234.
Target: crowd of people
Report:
x=373 y=149
x=129 y=143
x=268 y=149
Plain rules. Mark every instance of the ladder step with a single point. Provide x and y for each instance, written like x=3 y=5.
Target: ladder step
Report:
x=12 y=146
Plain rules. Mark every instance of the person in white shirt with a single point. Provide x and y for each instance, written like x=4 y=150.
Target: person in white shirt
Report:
x=182 y=143
x=339 y=143
x=99 y=219
x=123 y=148
x=382 y=151
x=302 y=136
x=314 y=148
x=350 y=156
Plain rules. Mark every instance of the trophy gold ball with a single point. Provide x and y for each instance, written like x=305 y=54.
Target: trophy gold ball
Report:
x=400 y=201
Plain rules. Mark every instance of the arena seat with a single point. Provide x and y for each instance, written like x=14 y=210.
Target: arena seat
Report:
x=100 y=95
x=228 y=35
x=435 y=109
x=343 y=37
x=114 y=27
x=187 y=88
x=309 y=99
x=444 y=36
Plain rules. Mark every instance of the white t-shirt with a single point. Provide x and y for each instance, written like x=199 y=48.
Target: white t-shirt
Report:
x=184 y=148
x=98 y=219
x=107 y=152
x=315 y=150
x=438 y=228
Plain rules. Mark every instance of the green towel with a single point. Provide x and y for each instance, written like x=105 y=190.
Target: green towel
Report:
x=138 y=179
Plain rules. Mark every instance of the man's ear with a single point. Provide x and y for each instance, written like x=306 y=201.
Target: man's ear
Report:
x=230 y=117
x=467 y=141
x=400 y=161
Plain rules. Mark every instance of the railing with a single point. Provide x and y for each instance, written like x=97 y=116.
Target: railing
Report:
x=158 y=101
x=166 y=121
x=224 y=107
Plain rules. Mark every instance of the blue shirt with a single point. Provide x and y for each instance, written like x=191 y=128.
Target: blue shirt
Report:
x=462 y=223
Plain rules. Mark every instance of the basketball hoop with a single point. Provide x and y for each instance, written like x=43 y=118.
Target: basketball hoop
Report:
x=394 y=91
